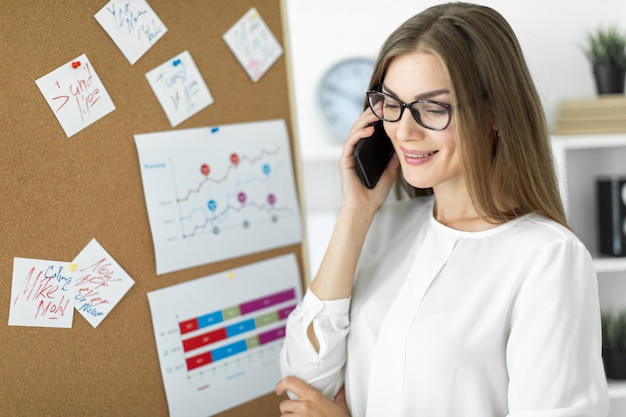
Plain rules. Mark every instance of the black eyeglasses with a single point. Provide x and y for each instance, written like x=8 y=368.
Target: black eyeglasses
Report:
x=430 y=114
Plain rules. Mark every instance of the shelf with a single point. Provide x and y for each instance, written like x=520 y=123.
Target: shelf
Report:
x=607 y=264
x=617 y=389
x=590 y=141
x=581 y=160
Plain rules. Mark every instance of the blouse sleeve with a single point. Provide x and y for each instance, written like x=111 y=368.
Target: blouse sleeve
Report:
x=324 y=369
x=554 y=349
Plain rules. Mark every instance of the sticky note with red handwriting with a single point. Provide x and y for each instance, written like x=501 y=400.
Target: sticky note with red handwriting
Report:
x=76 y=95
x=100 y=283
x=253 y=44
x=132 y=25
x=42 y=293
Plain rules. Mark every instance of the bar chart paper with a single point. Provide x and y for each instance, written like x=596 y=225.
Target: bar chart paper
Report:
x=218 y=337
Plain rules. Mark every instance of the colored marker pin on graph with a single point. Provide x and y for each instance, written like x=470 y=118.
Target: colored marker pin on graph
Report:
x=241 y=197
x=271 y=199
x=205 y=170
x=75 y=64
x=72 y=267
x=234 y=158
x=176 y=62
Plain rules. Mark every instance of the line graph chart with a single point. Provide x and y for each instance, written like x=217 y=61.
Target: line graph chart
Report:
x=218 y=192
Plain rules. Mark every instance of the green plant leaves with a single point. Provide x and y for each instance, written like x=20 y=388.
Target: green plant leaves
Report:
x=614 y=331
x=607 y=47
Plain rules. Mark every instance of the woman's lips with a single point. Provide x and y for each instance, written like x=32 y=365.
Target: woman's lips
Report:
x=418 y=157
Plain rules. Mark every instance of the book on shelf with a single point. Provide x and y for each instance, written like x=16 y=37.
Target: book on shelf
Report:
x=604 y=114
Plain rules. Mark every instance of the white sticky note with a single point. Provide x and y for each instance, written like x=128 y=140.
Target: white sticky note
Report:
x=100 y=283
x=132 y=25
x=253 y=44
x=42 y=293
x=180 y=88
x=76 y=95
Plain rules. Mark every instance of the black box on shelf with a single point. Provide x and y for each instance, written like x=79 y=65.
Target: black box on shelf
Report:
x=612 y=215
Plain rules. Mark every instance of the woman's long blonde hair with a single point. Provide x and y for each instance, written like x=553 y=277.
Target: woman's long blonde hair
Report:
x=498 y=116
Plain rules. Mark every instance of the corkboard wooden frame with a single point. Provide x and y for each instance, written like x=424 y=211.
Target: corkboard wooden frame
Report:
x=59 y=193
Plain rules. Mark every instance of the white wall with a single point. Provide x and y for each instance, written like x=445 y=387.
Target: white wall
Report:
x=322 y=32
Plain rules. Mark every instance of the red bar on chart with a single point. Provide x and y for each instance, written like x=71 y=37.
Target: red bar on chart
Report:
x=199 y=360
x=188 y=326
x=204 y=339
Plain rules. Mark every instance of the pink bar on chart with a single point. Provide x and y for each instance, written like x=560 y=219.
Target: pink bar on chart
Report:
x=267 y=301
x=272 y=335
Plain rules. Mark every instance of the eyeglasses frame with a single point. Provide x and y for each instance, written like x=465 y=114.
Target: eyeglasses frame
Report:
x=414 y=112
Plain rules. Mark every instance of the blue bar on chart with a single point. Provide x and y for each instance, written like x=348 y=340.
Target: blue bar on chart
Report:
x=248 y=307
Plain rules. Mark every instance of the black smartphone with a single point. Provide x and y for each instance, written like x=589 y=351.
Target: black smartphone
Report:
x=372 y=155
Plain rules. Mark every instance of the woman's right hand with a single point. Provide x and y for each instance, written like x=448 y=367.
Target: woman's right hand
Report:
x=354 y=194
x=358 y=206
x=310 y=402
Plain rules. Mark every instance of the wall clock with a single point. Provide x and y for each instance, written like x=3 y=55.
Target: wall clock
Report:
x=342 y=94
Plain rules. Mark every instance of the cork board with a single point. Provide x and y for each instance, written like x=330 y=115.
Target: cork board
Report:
x=58 y=193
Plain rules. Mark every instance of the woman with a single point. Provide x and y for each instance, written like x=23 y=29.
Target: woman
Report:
x=473 y=298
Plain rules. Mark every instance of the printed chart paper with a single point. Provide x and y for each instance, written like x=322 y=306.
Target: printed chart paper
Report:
x=100 y=283
x=218 y=192
x=180 y=88
x=76 y=95
x=253 y=44
x=42 y=294
x=219 y=337
x=132 y=25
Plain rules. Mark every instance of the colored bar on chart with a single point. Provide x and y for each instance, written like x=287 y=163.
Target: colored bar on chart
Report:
x=199 y=360
x=229 y=350
x=210 y=319
x=231 y=312
x=236 y=311
x=241 y=327
x=283 y=313
x=204 y=339
x=266 y=319
x=188 y=326
x=272 y=335
x=267 y=301
x=235 y=348
x=253 y=342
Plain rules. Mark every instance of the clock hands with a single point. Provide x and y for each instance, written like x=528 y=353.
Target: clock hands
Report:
x=348 y=95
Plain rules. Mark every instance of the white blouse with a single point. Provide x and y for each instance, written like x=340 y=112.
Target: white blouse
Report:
x=446 y=323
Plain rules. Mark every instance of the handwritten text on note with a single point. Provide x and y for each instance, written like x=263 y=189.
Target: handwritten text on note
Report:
x=180 y=88
x=76 y=95
x=42 y=293
x=132 y=25
x=100 y=283
x=253 y=44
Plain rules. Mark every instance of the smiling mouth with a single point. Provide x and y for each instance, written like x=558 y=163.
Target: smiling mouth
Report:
x=419 y=155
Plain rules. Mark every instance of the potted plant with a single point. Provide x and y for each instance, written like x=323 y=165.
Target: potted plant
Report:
x=606 y=50
x=614 y=344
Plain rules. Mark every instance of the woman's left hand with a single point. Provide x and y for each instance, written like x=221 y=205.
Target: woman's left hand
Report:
x=310 y=402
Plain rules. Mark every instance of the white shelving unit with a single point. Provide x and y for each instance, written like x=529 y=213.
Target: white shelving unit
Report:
x=581 y=160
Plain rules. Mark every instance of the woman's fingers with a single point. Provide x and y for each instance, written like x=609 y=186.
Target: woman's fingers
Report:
x=296 y=386
x=310 y=402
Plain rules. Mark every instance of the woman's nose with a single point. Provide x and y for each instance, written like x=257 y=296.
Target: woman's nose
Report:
x=408 y=128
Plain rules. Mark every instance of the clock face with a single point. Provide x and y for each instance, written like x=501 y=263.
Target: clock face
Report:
x=342 y=93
